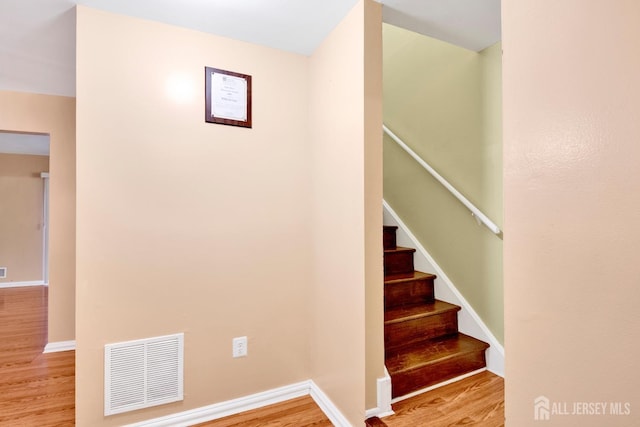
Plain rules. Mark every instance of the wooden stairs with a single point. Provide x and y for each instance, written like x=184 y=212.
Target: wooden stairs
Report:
x=422 y=344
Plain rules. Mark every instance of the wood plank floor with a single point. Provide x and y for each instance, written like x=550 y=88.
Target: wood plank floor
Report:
x=300 y=412
x=474 y=401
x=35 y=389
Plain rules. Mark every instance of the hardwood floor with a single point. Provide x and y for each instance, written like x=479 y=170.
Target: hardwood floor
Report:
x=300 y=412
x=474 y=401
x=35 y=389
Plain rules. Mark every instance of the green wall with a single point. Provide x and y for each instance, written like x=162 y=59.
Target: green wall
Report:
x=445 y=103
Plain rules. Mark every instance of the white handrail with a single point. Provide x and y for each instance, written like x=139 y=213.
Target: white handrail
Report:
x=477 y=213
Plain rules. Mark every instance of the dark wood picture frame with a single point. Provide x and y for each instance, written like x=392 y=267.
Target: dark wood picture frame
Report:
x=241 y=116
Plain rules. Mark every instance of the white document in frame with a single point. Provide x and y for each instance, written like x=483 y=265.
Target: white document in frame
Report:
x=228 y=97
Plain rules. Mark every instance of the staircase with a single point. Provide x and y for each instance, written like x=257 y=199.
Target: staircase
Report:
x=422 y=344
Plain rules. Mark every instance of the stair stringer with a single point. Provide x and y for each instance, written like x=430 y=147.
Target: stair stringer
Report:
x=468 y=320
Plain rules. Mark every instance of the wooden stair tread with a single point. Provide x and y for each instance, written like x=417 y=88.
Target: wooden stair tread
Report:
x=407 y=277
x=432 y=351
x=416 y=311
x=399 y=249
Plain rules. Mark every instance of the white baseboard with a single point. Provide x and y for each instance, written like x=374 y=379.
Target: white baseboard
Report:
x=384 y=398
x=469 y=321
x=327 y=406
x=54 y=347
x=247 y=403
x=21 y=284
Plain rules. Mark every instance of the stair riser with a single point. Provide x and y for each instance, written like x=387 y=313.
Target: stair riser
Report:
x=405 y=293
x=389 y=238
x=416 y=330
x=419 y=378
x=398 y=262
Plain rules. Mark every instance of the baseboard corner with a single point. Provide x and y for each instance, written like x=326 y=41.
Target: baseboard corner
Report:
x=55 y=347
x=247 y=403
x=377 y=412
x=330 y=410
x=384 y=396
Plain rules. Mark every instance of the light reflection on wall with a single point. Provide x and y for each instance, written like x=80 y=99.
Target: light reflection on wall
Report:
x=180 y=88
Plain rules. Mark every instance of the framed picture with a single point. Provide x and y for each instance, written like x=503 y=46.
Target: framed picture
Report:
x=227 y=97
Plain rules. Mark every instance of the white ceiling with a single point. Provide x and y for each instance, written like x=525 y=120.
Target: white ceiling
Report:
x=24 y=143
x=37 y=37
x=472 y=24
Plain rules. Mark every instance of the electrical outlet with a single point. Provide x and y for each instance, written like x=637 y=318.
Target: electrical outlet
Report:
x=240 y=347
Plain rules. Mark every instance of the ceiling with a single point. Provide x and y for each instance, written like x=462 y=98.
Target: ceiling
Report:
x=37 y=37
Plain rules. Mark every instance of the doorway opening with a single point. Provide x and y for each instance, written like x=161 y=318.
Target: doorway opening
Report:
x=24 y=208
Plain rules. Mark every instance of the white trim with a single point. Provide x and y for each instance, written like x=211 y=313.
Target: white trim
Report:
x=247 y=403
x=435 y=386
x=54 y=347
x=45 y=226
x=475 y=212
x=327 y=406
x=469 y=321
x=21 y=284
x=384 y=408
x=229 y=407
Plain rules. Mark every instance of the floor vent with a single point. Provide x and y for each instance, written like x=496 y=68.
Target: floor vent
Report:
x=143 y=373
x=3 y=272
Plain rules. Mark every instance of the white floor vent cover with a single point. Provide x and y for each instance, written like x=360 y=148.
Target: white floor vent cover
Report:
x=143 y=373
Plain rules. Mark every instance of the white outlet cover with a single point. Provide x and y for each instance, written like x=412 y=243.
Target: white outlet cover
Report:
x=240 y=347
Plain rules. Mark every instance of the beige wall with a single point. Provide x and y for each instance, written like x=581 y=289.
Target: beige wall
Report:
x=208 y=229
x=186 y=226
x=571 y=131
x=444 y=102
x=21 y=216
x=374 y=278
x=347 y=216
x=53 y=115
